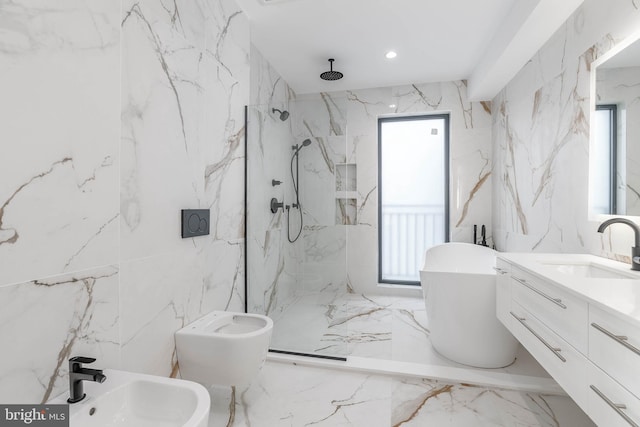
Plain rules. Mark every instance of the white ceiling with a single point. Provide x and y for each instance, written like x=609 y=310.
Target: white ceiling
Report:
x=483 y=41
x=623 y=56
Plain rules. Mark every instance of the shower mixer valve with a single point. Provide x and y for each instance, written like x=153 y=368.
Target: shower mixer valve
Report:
x=275 y=205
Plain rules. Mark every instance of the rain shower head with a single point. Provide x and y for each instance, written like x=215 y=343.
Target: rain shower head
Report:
x=284 y=115
x=331 y=75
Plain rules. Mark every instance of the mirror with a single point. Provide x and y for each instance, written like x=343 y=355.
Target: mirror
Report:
x=614 y=170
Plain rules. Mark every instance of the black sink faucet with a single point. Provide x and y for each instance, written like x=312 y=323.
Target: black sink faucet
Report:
x=78 y=374
x=635 y=250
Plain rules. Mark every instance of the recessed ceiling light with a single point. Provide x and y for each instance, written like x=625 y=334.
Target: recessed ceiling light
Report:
x=391 y=54
x=392 y=105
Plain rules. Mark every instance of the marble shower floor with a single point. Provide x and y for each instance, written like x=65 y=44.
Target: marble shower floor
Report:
x=287 y=394
x=374 y=327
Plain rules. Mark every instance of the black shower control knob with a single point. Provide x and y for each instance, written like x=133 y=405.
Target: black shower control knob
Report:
x=275 y=205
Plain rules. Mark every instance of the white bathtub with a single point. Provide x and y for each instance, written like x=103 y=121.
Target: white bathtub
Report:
x=459 y=287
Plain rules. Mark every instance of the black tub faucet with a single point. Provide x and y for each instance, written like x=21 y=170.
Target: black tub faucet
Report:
x=78 y=374
x=635 y=250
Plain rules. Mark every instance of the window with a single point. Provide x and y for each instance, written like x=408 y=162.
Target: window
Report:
x=413 y=189
x=603 y=171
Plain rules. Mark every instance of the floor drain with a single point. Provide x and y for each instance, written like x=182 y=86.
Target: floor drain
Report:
x=92 y=411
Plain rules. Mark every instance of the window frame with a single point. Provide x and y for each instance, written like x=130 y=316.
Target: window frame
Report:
x=447 y=156
x=613 y=154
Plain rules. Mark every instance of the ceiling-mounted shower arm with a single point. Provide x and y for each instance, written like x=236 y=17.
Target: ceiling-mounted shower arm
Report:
x=331 y=75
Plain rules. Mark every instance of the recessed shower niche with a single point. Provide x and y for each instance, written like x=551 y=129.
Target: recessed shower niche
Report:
x=346 y=211
x=346 y=177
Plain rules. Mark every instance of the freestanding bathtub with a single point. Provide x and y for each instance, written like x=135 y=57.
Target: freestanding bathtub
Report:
x=459 y=287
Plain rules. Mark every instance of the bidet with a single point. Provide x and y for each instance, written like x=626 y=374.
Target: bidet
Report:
x=130 y=399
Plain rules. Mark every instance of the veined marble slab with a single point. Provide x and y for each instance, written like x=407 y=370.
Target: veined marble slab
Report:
x=45 y=322
x=288 y=394
x=387 y=335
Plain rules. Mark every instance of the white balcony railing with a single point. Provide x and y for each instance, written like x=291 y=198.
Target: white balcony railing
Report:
x=407 y=232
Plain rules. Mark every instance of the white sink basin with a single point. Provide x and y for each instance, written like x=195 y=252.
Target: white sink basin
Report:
x=591 y=270
x=128 y=399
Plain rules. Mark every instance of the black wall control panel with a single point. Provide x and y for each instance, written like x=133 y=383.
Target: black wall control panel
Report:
x=195 y=222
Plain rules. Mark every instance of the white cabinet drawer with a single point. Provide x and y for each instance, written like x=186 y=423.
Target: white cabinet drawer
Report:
x=609 y=403
x=559 y=310
x=563 y=362
x=614 y=345
x=503 y=291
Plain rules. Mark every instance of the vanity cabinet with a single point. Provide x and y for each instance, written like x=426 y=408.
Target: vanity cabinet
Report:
x=592 y=353
x=503 y=290
x=563 y=362
x=614 y=346
x=563 y=312
x=610 y=404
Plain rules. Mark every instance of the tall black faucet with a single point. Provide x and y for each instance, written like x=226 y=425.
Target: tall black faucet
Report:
x=483 y=232
x=635 y=250
x=78 y=374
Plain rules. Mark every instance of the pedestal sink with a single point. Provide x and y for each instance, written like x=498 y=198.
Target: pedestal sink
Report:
x=128 y=399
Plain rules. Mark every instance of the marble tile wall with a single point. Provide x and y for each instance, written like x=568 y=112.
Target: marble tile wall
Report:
x=329 y=118
x=116 y=115
x=540 y=133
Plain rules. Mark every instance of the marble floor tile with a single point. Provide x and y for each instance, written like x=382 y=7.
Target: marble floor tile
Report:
x=292 y=395
x=286 y=394
x=424 y=403
x=377 y=327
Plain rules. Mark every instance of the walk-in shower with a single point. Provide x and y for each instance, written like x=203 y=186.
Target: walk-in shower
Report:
x=296 y=261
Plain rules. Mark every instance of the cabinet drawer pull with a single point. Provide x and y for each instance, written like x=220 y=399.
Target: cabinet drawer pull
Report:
x=621 y=339
x=615 y=406
x=500 y=271
x=556 y=301
x=555 y=350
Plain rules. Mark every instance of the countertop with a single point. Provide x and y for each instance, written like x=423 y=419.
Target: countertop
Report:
x=620 y=297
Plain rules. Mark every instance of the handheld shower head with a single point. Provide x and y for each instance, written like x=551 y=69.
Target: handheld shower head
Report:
x=297 y=147
x=284 y=115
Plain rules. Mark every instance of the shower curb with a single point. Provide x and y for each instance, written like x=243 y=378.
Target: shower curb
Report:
x=478 y=377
